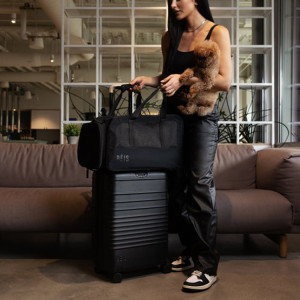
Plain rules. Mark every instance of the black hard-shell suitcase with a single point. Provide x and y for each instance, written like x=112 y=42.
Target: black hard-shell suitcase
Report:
x=131 y=222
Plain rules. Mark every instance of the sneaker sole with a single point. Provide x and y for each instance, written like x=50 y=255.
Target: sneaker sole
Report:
x=182 y=268
x=190 y=288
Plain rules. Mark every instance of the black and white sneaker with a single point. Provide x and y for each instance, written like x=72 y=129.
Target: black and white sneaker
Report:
x=199 y=281
x=182 y=263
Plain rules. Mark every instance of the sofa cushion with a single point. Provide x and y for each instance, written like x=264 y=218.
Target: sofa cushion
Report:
x=46 y=209
x=234 y=167
x=278 y=170
x=252 y=211
x=40 y=165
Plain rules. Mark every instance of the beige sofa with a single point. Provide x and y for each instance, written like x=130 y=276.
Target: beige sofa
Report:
x=43 y=189
x=258 y=191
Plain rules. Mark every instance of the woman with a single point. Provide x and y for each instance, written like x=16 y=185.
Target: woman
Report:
x=192 y=191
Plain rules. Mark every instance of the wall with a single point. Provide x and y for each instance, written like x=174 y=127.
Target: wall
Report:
x=43 y=99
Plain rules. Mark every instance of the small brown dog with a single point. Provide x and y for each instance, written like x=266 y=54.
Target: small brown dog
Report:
x=201 y=99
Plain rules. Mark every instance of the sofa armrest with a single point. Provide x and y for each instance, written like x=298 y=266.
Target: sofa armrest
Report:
x=278 y=169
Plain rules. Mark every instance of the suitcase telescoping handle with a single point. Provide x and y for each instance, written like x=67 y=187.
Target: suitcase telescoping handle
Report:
x=114 y=104
x=141 y=105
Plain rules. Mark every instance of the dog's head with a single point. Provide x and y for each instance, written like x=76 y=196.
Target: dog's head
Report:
x=206 y=53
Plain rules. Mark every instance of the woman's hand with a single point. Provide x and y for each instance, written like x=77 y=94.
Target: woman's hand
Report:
x=170 y=84
x=139 y=83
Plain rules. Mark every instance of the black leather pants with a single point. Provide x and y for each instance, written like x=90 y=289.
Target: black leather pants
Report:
x=192 y=192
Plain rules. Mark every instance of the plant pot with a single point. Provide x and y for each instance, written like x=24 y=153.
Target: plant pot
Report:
x=72 y=139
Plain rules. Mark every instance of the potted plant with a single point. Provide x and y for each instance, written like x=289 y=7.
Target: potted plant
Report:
x=72 y=131
x=4 y=133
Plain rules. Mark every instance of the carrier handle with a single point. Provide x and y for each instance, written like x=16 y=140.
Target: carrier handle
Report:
x=138 y=111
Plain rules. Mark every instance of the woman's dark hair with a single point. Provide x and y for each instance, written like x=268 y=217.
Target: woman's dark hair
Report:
x=176 y=28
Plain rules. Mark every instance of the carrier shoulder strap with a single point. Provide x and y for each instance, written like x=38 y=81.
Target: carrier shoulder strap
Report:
x=210 y=32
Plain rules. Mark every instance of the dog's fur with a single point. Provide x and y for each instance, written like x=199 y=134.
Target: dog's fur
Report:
x=201 y=99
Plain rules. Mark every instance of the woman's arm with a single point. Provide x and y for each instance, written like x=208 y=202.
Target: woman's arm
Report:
x=223 y=80
x=220 y=35
x=144 y=80
x=153 y=81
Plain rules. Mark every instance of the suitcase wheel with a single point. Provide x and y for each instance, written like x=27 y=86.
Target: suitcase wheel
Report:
x=116 y=278
x=165 y=268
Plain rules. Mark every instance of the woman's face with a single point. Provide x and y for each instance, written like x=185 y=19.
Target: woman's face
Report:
x=183 y=8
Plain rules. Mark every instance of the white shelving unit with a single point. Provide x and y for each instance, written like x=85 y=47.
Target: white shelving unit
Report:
x=249 y=109
x=289 y=89
x=121 y=40
x=296 y=73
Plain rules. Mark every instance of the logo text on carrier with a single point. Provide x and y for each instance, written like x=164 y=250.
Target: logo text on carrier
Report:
x=123 y=157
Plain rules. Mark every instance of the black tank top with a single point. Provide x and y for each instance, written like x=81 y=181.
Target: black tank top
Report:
x=182 y=61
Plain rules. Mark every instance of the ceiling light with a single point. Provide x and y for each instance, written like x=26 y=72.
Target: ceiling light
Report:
x=36 y=43
x=72 y=75
x=52 y=58
x=13 y=18
x=28 y=95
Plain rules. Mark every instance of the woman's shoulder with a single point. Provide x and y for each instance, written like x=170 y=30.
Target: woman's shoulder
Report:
x=219 y=32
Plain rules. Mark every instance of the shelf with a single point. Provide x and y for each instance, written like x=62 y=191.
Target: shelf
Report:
x=144 y=12
x=255 y=12
x=79 y=84
x=150 y=3
x=76 y=49
x=147 y=49
x=259 y=86
x=91 y=84
x=80 y=49
x=250 y=85
x=115 y=12
x=247 y=12
x=242 y=86
x=81 y=12
x=252 y=49
x=224 y=12
x=255 y=49
x=111 y=49
x=76 y=122
x=246 y=122
x=108 y=49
